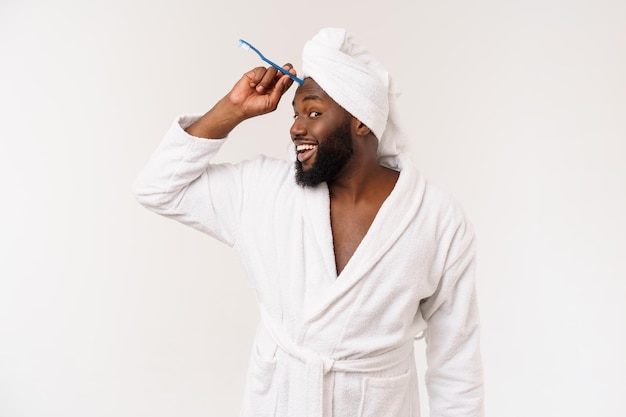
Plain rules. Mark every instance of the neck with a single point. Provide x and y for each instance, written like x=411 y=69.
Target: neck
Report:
x=362 y=178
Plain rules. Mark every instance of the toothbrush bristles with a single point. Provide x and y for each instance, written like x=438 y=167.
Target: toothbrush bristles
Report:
x=243 y=45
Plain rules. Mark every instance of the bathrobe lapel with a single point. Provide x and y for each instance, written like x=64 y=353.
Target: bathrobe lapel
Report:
x=389 y=223
x=317 y=220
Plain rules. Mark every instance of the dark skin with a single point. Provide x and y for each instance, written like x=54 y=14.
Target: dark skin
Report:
x=356 y=192
x=361 y=187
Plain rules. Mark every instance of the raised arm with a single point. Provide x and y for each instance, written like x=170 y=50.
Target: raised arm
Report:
x=179 y=181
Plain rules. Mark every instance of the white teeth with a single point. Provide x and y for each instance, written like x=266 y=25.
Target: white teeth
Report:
x=305 y=147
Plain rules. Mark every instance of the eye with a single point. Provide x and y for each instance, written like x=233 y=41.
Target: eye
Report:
x=314 y=114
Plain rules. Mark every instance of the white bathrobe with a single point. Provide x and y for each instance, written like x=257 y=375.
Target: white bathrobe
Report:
x=331 y=345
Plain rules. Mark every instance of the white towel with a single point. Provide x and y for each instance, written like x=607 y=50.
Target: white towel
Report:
x=358 y=83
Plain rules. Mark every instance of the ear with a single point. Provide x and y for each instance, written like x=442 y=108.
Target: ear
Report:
x=359 y=127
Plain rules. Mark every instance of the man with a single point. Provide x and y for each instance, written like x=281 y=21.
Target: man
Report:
x=351 y=252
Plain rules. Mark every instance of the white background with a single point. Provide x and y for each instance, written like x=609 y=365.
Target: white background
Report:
x=517 y=108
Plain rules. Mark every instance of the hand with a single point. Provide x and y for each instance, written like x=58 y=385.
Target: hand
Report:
x=257 y=92
x=260 y=90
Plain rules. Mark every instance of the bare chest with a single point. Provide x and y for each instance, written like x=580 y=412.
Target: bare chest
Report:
x=349 y=227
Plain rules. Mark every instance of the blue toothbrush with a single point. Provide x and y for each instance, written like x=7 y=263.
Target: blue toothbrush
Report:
x=246 y=45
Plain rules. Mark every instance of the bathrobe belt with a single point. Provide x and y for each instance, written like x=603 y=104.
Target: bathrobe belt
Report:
x=318 y=366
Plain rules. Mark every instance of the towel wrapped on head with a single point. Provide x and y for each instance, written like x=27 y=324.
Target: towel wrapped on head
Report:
x=358 y=83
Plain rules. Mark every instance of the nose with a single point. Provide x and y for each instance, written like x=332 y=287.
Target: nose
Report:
x=297 y=128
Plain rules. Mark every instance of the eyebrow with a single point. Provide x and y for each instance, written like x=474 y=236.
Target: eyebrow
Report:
x=310 y=97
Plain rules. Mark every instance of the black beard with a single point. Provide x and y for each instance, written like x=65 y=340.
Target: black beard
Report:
x=332 y=156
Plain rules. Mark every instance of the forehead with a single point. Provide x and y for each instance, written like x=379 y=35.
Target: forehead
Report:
x=311 y=91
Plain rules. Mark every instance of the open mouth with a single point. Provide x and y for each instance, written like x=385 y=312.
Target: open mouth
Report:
x=305 y=152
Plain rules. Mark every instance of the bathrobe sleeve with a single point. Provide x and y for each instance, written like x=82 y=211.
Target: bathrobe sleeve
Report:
x=180 y=183
x=454 y=377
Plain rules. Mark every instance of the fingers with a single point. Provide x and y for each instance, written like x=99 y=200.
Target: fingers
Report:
x=260 y=90
x=281 y=87
x=264 y=80
x=268 y=81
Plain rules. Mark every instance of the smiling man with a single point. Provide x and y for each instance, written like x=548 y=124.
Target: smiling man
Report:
x=323 y=160
x=351 y=252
